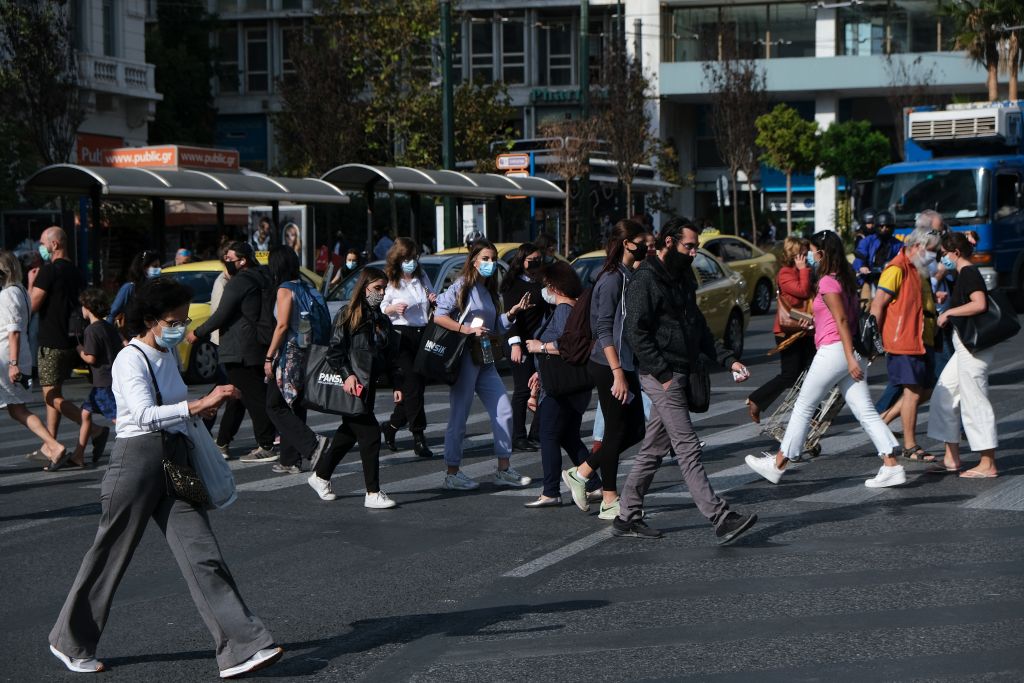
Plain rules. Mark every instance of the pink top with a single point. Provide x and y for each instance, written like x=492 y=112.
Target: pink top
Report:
x=825 y=330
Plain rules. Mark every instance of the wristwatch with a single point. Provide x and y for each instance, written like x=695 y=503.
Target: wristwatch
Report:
x=13 y=363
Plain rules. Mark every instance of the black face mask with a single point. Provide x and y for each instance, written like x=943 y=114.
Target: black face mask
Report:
x=531 y=266
x=232 y=267
x=638 y=253
x=677 y=263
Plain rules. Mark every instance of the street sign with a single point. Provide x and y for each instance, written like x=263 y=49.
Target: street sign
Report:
x=517 y=174
x=513 y=162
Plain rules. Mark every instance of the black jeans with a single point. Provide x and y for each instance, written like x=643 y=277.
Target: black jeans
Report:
x=298 y=441
x=410 y=411
x=521 y=373
x=361 y=429
x=623 y=424
x=560 y=419
x=249 y=380
x=794 y=359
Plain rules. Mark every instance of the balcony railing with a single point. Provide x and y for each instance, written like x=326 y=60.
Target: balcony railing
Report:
x=109 y=74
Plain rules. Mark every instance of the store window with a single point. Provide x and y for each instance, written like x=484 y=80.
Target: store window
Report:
x=257 y=61
x=513 y=51
x=556 y=53
x=481 y=46
x=227 y=73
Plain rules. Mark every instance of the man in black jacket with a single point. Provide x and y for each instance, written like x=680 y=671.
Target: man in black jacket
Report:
x=667 y=333
x=242 y=353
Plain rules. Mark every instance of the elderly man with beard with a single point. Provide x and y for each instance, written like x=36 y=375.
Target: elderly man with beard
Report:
x=668 y=333
x=905 y=309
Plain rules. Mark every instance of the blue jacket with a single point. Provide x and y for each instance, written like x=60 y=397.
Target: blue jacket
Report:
x=873 y=253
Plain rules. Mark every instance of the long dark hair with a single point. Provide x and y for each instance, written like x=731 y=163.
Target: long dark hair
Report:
x=833 y=260
x=402 y=250
x=518 y=265
x=623 y=230
x=471 y=275
x=137 y=268
x=283 y=264
x=353 y=315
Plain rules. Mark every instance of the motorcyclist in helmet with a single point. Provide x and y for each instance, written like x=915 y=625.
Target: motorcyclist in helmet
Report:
x=867 y=226
x=875 y=250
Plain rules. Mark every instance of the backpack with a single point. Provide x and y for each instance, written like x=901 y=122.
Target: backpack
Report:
x=311 y=301
x=577 y=339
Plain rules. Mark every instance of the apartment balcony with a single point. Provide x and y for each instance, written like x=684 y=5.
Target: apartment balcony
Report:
x=117 y=77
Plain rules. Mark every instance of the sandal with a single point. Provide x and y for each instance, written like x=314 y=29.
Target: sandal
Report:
x=60 y=462
x=918 y=454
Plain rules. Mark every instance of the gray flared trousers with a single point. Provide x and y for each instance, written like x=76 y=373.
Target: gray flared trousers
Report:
x=132 y=492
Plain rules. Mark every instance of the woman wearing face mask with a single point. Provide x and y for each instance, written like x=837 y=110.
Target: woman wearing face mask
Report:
x=152 y=400
x=613 y=369
x=470 y=307
x=362 y=346
x=962 y=391
x=559 y=416
x=145 y=266
x=523 y=278
x=407 y=301
x=796 y=286
x=349 y=266
x=835 y=362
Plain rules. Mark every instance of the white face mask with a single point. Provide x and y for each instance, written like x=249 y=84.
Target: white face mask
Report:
x=548 y=296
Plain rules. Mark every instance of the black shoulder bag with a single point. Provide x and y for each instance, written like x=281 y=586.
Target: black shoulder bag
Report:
x=181 y=479
x=997 y=324
x=558 y=377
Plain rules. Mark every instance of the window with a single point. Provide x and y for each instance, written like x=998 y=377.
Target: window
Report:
x=291 y=39
x=257 y=76
x=744 y=30
x=694 y=35
x=76 y=18
x=734 y=250
x=291 y=4
x=227 y=6
x=707 y=270
x=481 y=48
x=513 y=51
x=227 y=75
x=791 y=30
x=1007 y=198
x=109 y=28
x=556 y=49
x=256 y=5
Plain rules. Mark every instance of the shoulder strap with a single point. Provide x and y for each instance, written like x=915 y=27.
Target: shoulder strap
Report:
x=152 y=375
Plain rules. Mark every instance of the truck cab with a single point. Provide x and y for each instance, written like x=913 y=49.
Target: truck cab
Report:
x=967 y=163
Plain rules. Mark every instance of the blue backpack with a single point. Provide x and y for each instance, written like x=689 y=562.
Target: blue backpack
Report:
x=311 y=301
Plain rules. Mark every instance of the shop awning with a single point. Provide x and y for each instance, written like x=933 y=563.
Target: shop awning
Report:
x=358 y=177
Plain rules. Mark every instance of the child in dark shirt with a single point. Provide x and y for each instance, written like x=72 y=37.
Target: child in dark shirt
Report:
x=100 y=343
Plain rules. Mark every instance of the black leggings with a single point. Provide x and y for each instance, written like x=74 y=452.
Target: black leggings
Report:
x=623 y=424
x=410 y=411
x=298 y=441
x=361 y=429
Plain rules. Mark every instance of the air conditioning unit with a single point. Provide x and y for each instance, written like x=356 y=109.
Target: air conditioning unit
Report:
x=999 y=124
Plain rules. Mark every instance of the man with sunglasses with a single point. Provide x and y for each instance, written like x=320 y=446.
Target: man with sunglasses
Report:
x=668 y=333
x=241 y=350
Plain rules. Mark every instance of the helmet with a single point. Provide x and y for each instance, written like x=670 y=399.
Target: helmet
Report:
x=868 y=216
x=885 y=219
x=472 y=237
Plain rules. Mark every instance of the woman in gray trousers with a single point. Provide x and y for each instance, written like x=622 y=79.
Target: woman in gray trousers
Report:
x=134 y=490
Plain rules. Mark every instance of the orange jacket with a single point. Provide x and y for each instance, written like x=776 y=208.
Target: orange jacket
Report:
x=903 y=327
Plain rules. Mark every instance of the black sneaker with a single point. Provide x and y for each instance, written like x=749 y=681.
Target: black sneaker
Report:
x=389 y=433
x=732 y=526
x=524 y=445
x=637 y=529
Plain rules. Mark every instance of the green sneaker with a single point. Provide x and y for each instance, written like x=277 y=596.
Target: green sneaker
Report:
x=609 y=512
x=577 y=487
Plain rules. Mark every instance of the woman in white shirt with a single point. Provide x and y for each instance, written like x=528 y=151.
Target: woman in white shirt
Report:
x=152 y=408
x=407 y=301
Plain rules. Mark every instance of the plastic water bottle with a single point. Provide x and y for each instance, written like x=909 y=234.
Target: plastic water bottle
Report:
x=486 y=353
x=305 y=330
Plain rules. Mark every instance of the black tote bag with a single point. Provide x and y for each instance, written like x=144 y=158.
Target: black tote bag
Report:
x=560 y=378
x=995 y=325
x=324 y=391
x=439 y=357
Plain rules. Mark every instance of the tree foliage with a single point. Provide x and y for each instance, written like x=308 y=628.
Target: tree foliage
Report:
x=790 y=145
x=852 y=150
x=40 y=92
x=178 y=45
x=989 y=30
x=572 y=142
x=625 y=123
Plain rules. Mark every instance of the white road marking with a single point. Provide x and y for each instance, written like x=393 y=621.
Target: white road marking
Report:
x=556 y=556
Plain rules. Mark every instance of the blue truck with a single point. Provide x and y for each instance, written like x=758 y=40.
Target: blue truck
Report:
x=965 y=161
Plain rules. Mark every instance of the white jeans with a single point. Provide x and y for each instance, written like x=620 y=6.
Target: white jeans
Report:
x=828 y=369
x=962 y=392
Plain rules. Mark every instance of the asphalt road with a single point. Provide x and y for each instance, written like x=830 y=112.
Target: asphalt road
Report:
x=836 y=582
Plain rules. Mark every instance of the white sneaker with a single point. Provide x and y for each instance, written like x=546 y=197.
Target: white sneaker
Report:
x=887 y=476
x=610 y=512
x=577 y=488
x=79 y=666
x=459 y=482
x=322 y=487
x=378 y=501
x=260 y=660
x=260 y=454
x=765 y=466
x=510 y=477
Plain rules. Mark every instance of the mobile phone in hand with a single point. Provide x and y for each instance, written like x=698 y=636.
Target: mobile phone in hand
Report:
x=359 y=389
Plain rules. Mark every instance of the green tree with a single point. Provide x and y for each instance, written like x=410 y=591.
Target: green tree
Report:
x=790 y=145
x=178 y=44
x=977 y=31
x=853 y=151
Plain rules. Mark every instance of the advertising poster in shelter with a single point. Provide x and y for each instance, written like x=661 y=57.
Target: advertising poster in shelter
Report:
x=292 y=229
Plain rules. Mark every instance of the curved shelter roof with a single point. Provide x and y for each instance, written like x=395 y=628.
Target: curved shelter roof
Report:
x=132 y=183
x=440 y=183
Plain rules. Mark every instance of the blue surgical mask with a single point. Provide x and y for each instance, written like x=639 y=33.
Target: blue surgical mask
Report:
x=170 y=337
x=351 y=265
x=949 y=263
x=44 y=253
x=811 y=261
x=548 y=296
x=152 y=272
x=486 y=268
x=409 y=266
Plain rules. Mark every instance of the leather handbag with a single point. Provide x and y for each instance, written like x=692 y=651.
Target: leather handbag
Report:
x=698 y=387
x=997 y=324
x=324 y=390
x=179 y=475
x=787 y=324
x=439 y=357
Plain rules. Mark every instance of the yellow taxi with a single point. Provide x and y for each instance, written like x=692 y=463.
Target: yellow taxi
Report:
x=757 y=267
x=721 y=294
x=199 y=364
x=506 y=250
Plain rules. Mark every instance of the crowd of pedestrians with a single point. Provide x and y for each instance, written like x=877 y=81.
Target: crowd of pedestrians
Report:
x=646 y=346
